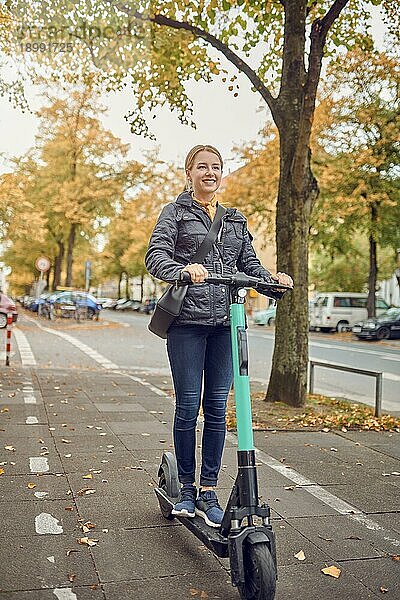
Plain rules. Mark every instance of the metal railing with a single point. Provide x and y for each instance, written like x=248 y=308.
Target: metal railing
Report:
x=338 y=367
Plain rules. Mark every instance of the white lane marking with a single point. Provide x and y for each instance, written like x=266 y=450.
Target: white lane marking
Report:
x=38 y=464
x=65 y=594
x=31 y=420
x=41 y=494
x=25 y=350
x=51 y=559
x=45 y=524
x=339 y=505
x=30 y=399
x=96 y=356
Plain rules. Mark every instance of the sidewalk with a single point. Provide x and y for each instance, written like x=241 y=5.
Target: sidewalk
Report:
x=83 y=447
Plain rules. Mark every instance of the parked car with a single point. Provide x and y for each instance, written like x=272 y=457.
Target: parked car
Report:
x=265 y=317
x=129 y=305
x=67 y=302
x=7 y=305
x=110 y=303
x=383 y=327
x=341 y=310
x=148 y=306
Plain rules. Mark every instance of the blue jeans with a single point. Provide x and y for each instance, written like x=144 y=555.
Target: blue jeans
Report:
x=193 y=349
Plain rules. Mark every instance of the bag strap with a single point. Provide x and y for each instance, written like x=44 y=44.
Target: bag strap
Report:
x=211 y=236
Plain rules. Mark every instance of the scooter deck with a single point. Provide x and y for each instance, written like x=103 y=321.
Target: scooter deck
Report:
x=209 y=536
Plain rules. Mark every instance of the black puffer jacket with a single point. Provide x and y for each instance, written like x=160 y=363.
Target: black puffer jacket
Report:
x=179 y=231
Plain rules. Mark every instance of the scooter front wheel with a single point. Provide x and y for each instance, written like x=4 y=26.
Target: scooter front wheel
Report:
x=260 y=573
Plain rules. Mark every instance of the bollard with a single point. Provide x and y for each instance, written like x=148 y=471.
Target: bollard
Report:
x=8 y=338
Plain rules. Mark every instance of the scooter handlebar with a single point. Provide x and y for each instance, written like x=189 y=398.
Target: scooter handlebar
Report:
x=237 y=280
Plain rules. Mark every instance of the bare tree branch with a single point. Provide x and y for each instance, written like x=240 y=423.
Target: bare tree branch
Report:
x=241 y=65
x=332 y=14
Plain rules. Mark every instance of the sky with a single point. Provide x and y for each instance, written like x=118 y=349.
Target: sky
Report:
x=222 y=120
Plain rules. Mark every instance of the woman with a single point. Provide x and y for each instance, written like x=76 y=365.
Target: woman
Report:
x=199 y=339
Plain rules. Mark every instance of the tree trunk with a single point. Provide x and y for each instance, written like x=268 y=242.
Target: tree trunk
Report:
x=288 y=381
x=70 y=257
x=373 y=265
x=119 y=285
x=58 y=265
x=127 y=295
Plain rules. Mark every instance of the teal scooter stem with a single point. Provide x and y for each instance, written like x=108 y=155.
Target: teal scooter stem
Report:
x=245 y=535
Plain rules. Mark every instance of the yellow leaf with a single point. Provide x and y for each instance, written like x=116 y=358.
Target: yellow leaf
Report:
x=1 y=471
x=89 y=476
x=300 y=555
x=31 y=485
x=332 y=571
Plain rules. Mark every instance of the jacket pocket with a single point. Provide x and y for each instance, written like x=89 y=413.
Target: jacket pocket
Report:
x=197 y=304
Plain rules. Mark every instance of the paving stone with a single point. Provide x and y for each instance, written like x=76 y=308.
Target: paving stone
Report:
x=165 y=551
x=137 y=426
x=381 y=497
x=85 y=462
x=36 y=571
x=85 y=443
x=214 y=586
x=340 y=537
x=307 y=581
x=119 y=407
x=15 y=487
x=374 y=574
x=126 y=484
x=20 y=516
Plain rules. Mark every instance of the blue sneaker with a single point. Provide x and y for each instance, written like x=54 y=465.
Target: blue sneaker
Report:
x=185 y=504
x=208 y=508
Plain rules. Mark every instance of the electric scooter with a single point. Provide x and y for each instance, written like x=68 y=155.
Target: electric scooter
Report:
x=245 y=535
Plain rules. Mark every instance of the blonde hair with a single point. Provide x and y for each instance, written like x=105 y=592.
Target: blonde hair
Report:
x=191 y=156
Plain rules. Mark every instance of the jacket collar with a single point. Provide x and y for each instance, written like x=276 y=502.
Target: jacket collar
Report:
x=185 y=199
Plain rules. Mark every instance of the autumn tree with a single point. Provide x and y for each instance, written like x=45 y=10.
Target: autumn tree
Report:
x=277 y=45
x=359 y=178
x=129 y=230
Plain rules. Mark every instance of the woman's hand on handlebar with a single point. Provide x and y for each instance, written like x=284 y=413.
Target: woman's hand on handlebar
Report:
x=197 y=272
x=284 y=279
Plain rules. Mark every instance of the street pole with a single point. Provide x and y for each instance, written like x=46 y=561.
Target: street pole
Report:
x=8 y=338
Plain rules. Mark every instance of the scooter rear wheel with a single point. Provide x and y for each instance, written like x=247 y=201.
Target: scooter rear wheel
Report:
x=168 y=480
x=260 y=573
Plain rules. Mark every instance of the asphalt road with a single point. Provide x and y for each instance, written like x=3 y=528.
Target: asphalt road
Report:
x=123 y=339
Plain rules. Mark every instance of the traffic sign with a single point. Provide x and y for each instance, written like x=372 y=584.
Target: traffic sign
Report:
x=42 y=264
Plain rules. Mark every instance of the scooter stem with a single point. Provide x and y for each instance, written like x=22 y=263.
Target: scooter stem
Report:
x=241 y=376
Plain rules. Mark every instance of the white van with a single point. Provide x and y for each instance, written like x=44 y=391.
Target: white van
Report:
x=341 y=310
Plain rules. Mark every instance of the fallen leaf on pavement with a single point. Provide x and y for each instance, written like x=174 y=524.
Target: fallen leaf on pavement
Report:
x=10 y=448
x=289 y=487
x=65 y=441
x=87 y=541
x=395 y=557
x=67 y=455
x=85 y=491
x=325 y=539
x=70 y=551
x=332 y=571
x=69 y=508
x=352 y=537
x=1 y=471
x=383 y=590
x=334 y=449
x=71 y=577
x=300 y=555
x=5 y=409
x=395 y=473
x=145 y=434
x=88 y=476
x=31 y=485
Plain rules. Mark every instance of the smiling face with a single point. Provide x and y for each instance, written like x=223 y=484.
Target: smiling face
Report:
x=205 y=174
